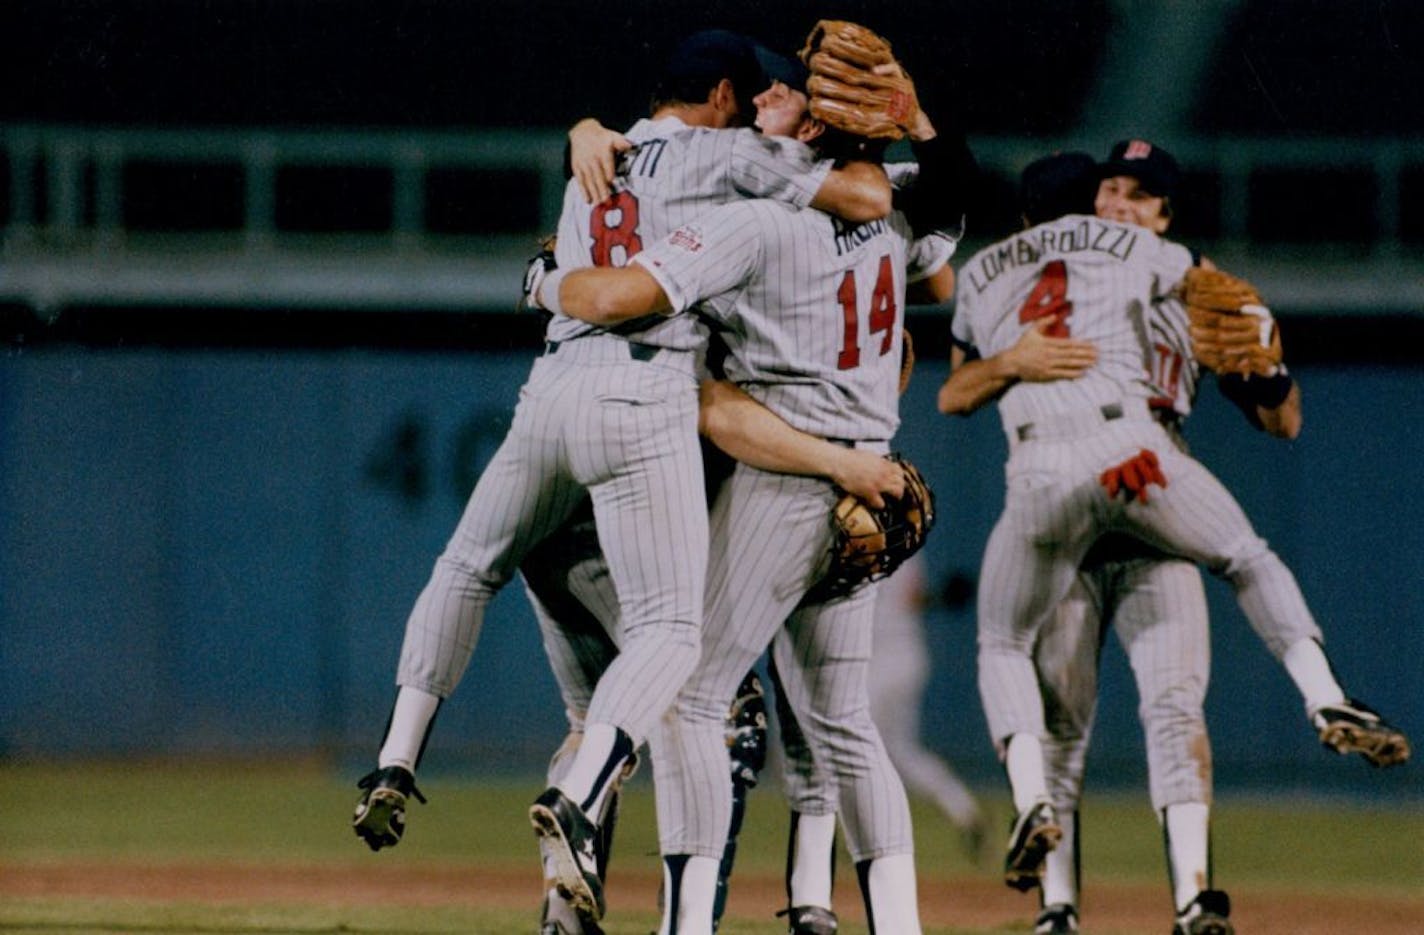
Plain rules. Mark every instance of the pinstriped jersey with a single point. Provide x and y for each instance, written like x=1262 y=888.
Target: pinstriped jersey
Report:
x=1097 y=280
x=1173 y=374
x=673 y=174
x=811 y=305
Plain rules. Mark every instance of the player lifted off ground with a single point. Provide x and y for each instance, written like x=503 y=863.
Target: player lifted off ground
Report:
x=1083 y=454
x=612 y=417
x=1154 y=602
x=781 y=281
x=781 y=110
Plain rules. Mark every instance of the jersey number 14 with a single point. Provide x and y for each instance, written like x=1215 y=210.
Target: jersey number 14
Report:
x=881 y=314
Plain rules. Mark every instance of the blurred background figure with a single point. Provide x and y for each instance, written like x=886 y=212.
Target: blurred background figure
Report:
x=899 y=673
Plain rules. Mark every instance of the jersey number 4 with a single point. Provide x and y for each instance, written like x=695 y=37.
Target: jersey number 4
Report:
x=881 y=314
x=614 y=229
x=1049 y=299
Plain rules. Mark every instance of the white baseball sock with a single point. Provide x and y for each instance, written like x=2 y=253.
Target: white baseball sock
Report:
x=690 y=890
x=813 y=843
x=410 y=722
x=596 y=766
x=1023 y=761
x=1188 y=850
x=890 y=894
x=1060 y=869
x=1310 y=670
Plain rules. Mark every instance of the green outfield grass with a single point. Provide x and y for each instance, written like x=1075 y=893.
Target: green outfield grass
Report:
x=177 y=816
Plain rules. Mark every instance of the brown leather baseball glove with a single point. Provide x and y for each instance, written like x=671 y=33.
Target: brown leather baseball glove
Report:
x=1232 y=331
x=871 y=543
x=856 y=85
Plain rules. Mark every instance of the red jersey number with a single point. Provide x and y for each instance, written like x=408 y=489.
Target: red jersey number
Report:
x=614 y=224
x=1049 y=298
x=881 y=314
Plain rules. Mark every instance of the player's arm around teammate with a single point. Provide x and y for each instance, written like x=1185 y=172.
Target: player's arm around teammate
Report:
x=855 y=190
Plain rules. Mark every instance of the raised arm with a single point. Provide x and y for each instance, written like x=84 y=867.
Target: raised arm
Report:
x=1036 y=357
x=754 y=435
x=855 y=191
x=593 y=157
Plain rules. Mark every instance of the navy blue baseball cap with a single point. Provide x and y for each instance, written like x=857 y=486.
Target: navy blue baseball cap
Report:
x=777 y=67
x=1155 y=169
x=1059 y=184
x=704 y=58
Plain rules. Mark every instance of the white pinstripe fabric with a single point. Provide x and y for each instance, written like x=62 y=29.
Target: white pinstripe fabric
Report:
x=677 y=173
x=1115 y=273
x=589 y=419
x=771 y=276
x=1158 y=609
x=1055 y=507
x=592 y=420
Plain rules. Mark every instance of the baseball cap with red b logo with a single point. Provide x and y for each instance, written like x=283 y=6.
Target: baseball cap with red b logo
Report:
x=1155 y=169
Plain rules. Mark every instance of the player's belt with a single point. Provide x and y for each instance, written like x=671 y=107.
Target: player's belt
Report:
x=864 y=444
x=1071 y=424
x=604 y=348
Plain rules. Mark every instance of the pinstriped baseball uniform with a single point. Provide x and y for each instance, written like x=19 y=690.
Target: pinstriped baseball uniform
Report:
x=812 y=312
x=1100 y=278
x=611 y=416
x=1156 y=604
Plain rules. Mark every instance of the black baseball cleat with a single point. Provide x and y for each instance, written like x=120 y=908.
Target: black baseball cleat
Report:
x=1353 y=727
x=379 y=819
x=1205 y=915
x=1035 y=832
x=573 y=849
x=810 y=920
x=1057 y=919
x=558 y=917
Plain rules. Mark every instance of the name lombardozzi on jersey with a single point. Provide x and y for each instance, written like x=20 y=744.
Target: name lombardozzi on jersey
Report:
x=850 y=235
x=1030 y=247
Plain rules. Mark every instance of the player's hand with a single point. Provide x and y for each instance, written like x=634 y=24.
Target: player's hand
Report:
x=593 y=156
x=1132 y=477
x=1038 y=357
x=922 y=129
x=867 y=475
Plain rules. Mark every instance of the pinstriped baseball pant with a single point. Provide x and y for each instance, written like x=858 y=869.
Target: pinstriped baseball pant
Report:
x=590 y=420
x=770 y=538
x=1055 y=509
x=1158 y=609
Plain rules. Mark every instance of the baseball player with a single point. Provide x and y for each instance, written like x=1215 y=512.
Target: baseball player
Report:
x=780 y=111
x=1087 y=458
x=770 y=529
x=899 y=671
x=612 y=417
x=1156 y=604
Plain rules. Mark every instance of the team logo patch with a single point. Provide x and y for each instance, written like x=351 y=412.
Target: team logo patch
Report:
x=686 y=238
x=899 y=107
x=1137 y=149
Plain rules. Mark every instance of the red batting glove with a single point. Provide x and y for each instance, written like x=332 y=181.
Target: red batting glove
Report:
x=1134 y=475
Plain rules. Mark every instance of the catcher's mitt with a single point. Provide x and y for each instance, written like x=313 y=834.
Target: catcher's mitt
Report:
x=871 y=543
x=1232 y=331
x=856 y=85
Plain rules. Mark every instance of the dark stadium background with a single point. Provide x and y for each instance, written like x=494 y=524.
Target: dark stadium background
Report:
x=219 y=503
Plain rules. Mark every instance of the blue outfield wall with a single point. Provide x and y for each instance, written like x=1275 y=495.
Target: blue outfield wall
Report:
x=214 y=552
